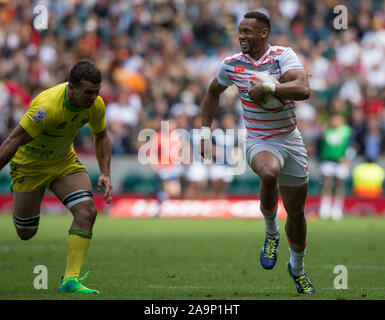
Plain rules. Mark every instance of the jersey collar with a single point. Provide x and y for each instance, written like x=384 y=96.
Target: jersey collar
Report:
x=262 y=57
x=67 y=104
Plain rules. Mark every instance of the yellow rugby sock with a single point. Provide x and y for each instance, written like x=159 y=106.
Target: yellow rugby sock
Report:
x=78 y=242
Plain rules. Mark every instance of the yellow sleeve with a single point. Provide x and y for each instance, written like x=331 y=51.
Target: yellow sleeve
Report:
x=97 y=122
x=35 y=119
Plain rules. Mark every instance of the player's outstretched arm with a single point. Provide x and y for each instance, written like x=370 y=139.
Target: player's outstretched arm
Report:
x=103 y=155
x=210 y=106
x=8 y=148
x=296 y=86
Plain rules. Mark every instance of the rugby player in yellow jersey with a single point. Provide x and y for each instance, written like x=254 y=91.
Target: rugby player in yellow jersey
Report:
x=41 y=156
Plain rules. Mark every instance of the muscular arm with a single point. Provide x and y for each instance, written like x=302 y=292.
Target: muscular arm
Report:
x=17 y=138
x=210 y=106
x=296 y=86
x=103 y=155
x=210 y=102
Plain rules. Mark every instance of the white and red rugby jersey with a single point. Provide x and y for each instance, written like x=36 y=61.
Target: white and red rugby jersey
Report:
x=237 y=69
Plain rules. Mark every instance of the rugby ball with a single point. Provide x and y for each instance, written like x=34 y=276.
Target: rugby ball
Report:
x=269 y=101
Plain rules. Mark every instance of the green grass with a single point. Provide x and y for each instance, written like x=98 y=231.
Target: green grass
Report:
x=194 y=259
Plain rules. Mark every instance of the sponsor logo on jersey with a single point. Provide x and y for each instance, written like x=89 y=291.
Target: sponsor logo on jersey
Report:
x=239 y=69
x=39 y=116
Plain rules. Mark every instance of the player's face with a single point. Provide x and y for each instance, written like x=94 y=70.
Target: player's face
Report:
x=252 y=35
x=84 y=95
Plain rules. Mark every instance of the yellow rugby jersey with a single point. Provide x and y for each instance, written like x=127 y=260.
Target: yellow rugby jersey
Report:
x=53 y=122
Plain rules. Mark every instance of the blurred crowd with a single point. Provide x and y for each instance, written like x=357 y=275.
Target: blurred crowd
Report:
x=157 y=57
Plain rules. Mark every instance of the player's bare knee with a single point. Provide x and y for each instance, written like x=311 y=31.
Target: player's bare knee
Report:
x=85 y=215
x=296 y=214
x=92 y=213
x=269 y=178
x=82 y=206
x=26 y=228
x=26 y=234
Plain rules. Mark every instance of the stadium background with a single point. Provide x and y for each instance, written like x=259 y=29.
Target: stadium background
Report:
x=157 y=58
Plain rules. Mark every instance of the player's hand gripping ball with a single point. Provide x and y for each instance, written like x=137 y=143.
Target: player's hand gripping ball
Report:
x=268 y=102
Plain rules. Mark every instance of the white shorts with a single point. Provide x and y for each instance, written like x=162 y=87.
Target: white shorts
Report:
x=335 y=169
x=291 y=153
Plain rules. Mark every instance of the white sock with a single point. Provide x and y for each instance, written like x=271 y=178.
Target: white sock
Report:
x=325 y=207
x=271 y=226
x=297 y=261
x=336 y=211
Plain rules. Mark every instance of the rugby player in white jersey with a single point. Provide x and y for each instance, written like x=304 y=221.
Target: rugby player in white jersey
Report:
x=274 y=147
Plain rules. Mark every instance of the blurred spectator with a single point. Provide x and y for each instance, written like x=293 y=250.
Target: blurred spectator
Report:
x=334 y=167
x=348 y=50
x=358 y=125
x=123 y=118
x=317 y=30
x=373 y=104
x=373 y=44
x=166 y=146
x=186 y=105
x=308 y=126
x=368 y=179
x=374 y=139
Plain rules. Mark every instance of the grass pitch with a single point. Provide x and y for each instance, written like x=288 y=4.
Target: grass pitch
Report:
x=185 y=259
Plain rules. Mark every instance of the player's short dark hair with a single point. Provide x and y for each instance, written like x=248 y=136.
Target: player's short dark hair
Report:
x=84 y=70
x=260 y=17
